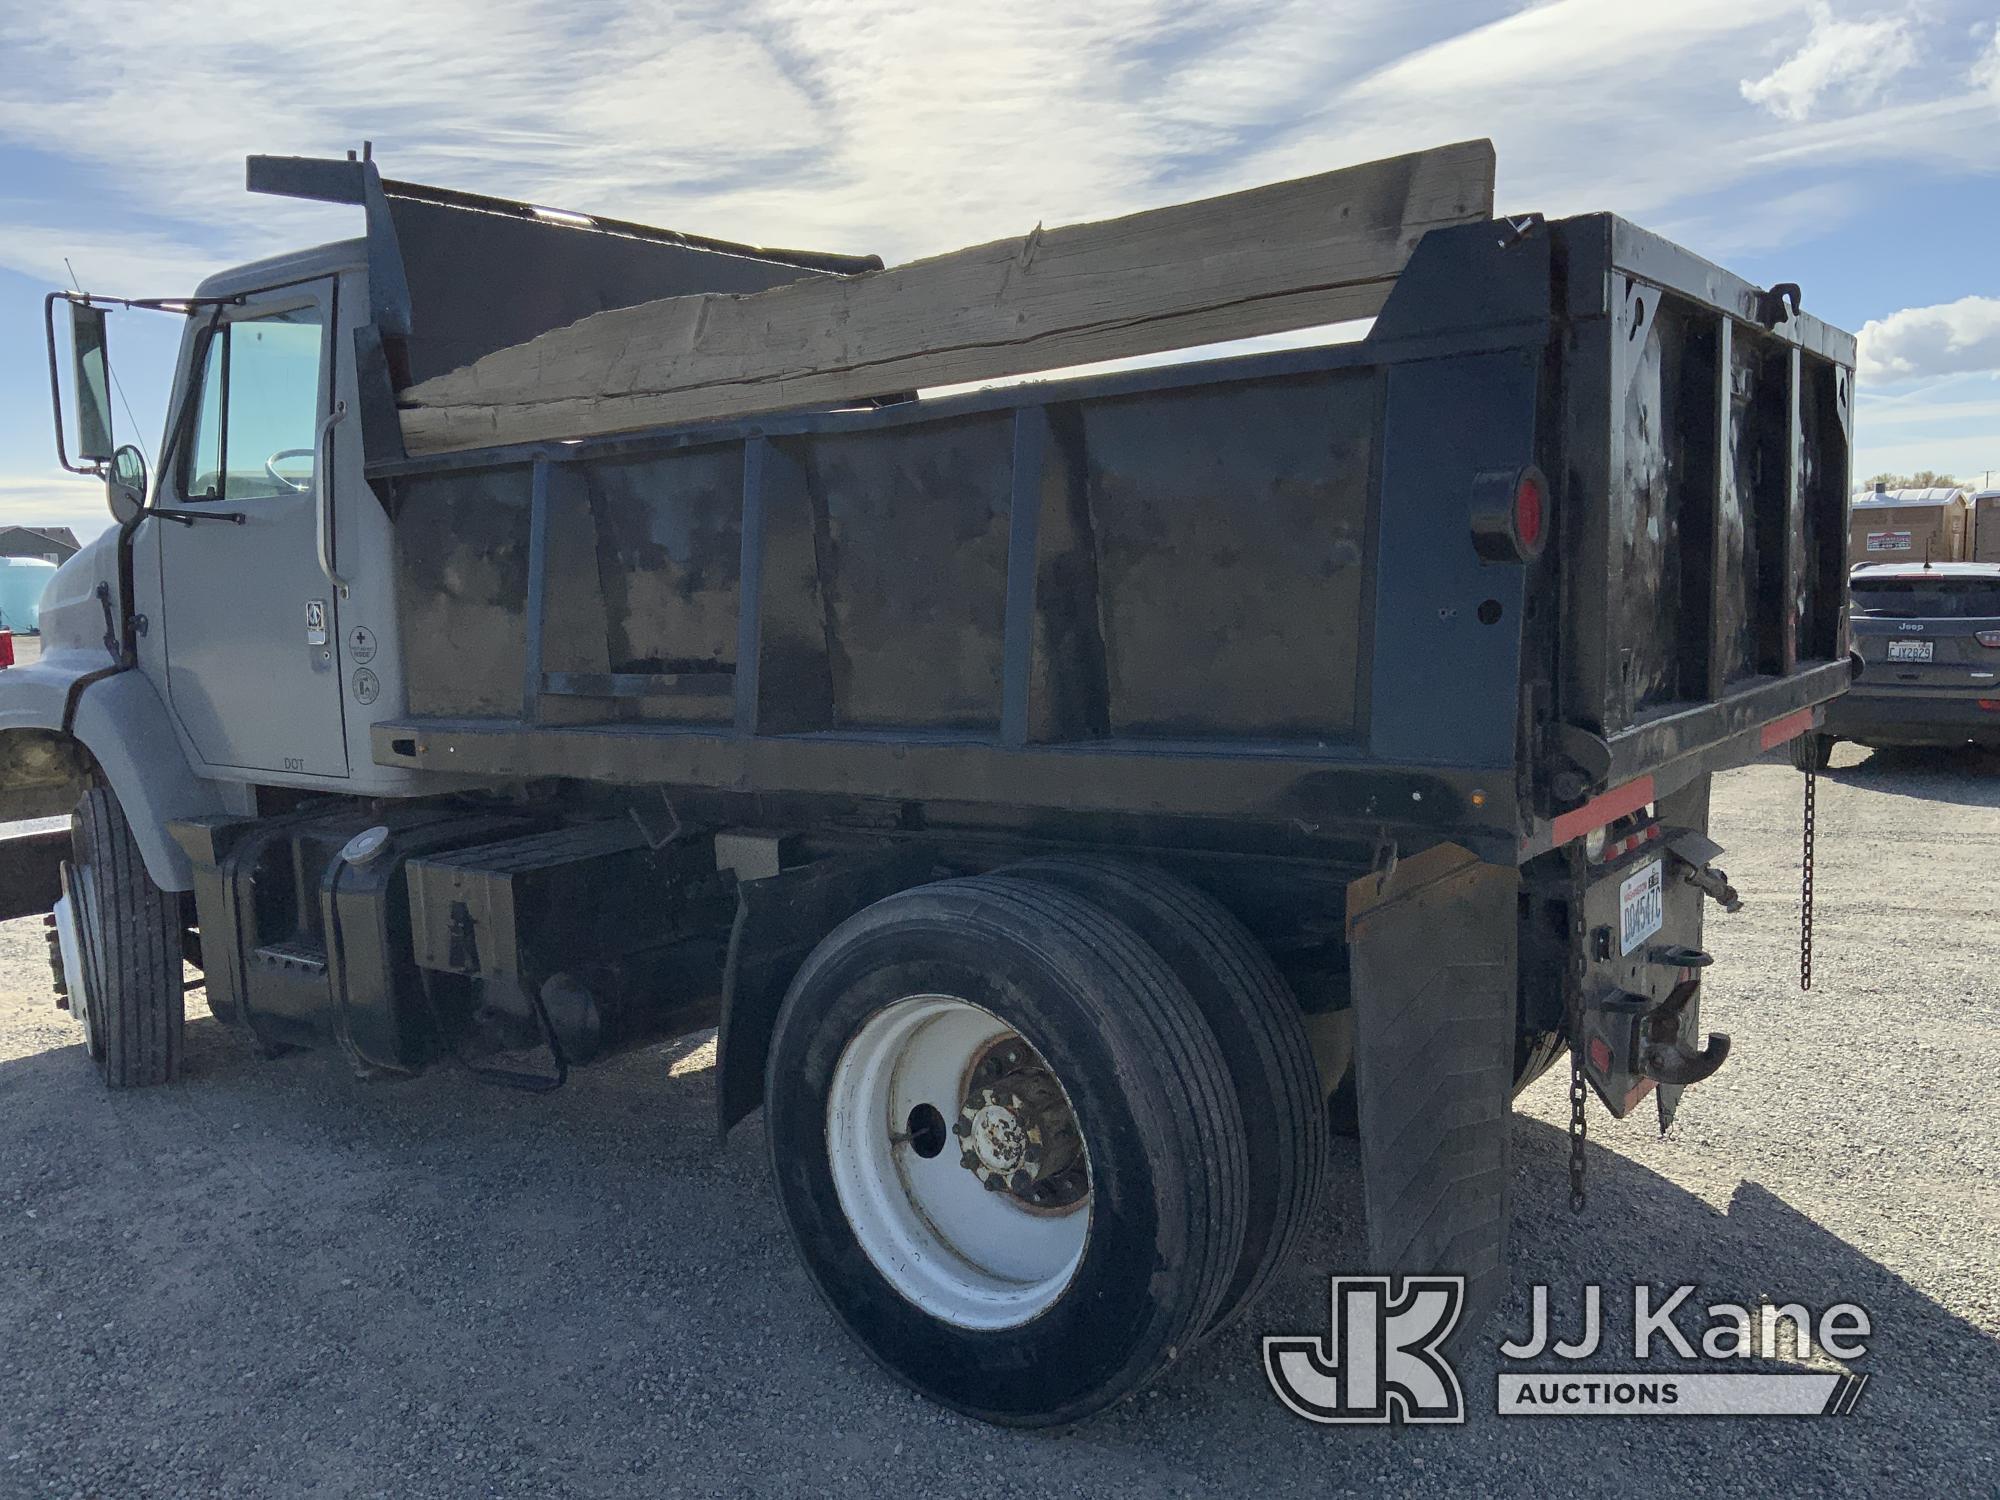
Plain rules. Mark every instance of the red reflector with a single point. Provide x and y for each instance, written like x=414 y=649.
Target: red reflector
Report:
x=1987 y=638
x=1600 y=1054
x=1528 y=511
x=1991 y=705
x=1779 y=731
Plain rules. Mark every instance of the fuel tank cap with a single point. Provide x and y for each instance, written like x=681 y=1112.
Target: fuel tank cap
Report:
x=365 y=845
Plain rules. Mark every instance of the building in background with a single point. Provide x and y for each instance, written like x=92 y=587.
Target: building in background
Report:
x=1909 y=526
x=56 y=544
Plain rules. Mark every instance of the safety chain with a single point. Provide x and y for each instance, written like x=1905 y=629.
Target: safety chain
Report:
x=1805 y=887
x=1579 y=1128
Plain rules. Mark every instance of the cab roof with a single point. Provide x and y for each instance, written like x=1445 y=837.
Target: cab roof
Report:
x=281 y=270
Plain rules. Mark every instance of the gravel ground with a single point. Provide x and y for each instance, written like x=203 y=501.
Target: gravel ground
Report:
x=273 y=1280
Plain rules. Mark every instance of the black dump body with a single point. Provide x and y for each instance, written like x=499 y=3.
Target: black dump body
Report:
x=1235 y=603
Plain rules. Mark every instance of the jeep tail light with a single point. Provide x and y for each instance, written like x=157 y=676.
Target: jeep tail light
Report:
x=1988 y=638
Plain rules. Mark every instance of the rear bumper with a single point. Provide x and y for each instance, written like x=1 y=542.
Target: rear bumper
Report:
x=1912 y=718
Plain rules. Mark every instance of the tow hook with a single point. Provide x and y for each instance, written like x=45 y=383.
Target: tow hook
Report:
x=1695 y=851
x=1634 y=1044
x=1665 y=1058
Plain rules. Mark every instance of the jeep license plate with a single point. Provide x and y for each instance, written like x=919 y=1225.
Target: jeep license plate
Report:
x=1910 y=650
x=1642 y=906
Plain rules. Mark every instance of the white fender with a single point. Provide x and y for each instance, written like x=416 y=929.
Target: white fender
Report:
x=121 y=721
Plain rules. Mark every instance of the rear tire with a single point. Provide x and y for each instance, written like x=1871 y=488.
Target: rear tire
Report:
x=1256 y=1020
x=129 y=931
x=1811 y=752
x=895 y=1220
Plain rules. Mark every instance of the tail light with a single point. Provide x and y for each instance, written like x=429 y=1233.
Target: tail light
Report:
x=1988 y=638
x=1530 y=510
x=1510 y=514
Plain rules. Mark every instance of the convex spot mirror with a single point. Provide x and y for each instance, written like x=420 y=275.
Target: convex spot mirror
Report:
x=125 y=485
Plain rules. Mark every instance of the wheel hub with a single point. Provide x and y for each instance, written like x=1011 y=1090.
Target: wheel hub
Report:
x=997 y=1137
x=1016 y=1132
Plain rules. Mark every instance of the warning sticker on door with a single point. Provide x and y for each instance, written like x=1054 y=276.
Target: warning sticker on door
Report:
x=315 y=622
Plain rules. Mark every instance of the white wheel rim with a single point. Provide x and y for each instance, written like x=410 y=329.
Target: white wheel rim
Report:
x=962 y=1252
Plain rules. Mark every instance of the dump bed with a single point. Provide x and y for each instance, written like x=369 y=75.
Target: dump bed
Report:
x=1246 y=592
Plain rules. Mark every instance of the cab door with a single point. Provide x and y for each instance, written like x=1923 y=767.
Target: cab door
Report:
x=250 y=617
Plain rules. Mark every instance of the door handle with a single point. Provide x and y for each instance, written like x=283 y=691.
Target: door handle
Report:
x=323 y=491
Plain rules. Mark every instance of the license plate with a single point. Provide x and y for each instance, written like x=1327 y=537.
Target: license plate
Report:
x=1642 y=906
x=1910 y=650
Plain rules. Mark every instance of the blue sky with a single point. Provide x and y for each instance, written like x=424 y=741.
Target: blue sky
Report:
x=1850 y=148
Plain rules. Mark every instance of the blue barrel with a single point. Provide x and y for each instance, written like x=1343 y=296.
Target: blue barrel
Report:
x=22 y=580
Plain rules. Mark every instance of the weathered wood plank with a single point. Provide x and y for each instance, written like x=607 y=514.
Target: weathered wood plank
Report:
x=1292 y=255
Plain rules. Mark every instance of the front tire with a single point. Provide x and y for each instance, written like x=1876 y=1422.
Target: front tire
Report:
x=1811 y=752
x=1007 y=1147
x=128 y=932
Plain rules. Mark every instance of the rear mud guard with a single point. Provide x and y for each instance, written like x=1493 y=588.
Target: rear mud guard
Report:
x=1432 y=942
x=779 y=920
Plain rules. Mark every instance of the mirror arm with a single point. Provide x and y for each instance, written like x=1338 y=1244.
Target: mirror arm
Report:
x=189 y=517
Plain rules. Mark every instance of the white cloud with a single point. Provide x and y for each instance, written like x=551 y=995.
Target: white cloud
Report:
x=142 y=263
x=1925 y=342
x=909 y=129
x=1779 y=220
x=1853 y=60
x=54 y=499
x=1986 y=72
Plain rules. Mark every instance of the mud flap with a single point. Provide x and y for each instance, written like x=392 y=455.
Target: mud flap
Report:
x=779 y=920
x=1432 y=945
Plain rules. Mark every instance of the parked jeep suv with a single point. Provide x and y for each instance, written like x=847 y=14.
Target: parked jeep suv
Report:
x=1929 y=643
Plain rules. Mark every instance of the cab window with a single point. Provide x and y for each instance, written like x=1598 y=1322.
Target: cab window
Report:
x=258 y=409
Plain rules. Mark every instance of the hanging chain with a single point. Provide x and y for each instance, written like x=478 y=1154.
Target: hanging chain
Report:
x=1575 y=970
x=1805 y=887
x=1579 y=1128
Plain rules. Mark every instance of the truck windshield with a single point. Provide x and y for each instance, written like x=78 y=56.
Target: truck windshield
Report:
x=1928 y=598
x=258 y=409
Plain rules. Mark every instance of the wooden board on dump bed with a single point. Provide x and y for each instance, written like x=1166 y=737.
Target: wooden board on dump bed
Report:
x=1293 y=255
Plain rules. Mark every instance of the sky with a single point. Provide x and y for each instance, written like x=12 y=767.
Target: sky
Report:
x=1846 y=147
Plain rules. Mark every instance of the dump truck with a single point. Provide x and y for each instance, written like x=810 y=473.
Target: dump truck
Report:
x=1072 y=800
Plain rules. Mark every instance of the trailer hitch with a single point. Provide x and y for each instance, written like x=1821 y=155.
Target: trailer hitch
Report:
x=1634 y=1045
x=1666 y=1058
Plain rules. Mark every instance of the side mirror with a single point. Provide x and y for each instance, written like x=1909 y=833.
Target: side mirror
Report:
x=125 y=485
x=91 y=372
